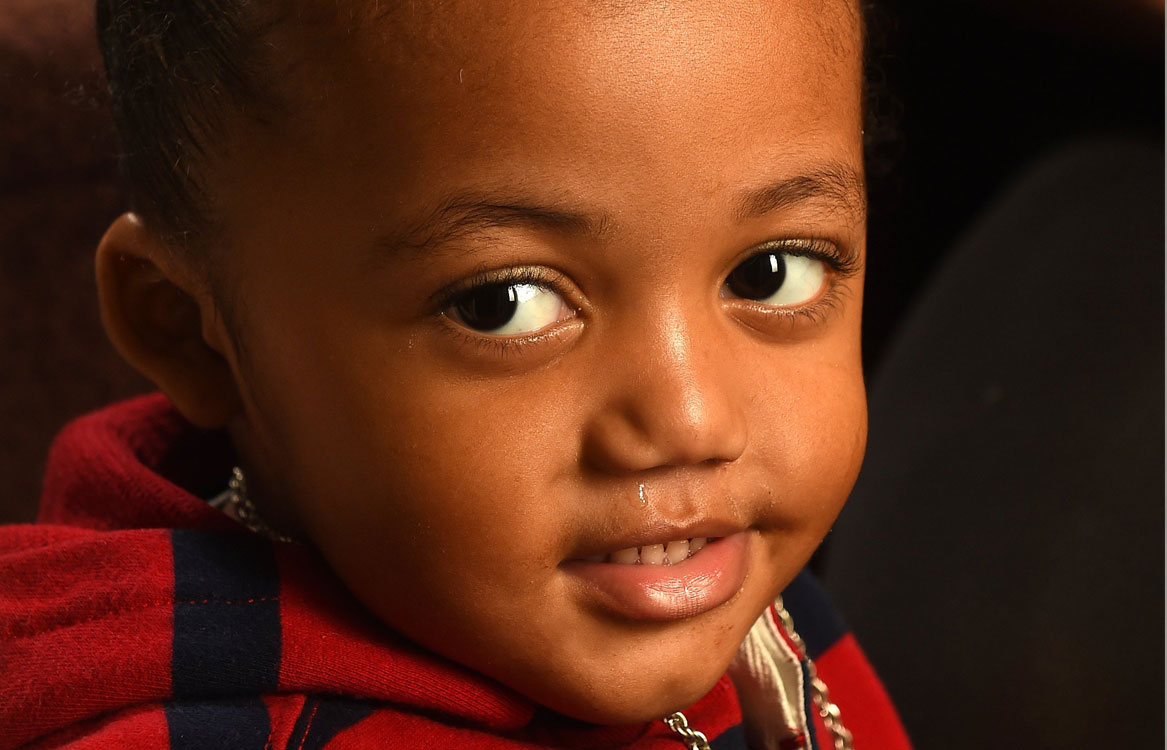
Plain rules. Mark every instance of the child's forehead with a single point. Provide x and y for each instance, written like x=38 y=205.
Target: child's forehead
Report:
x=628 y=105
x=512 y=58
x=669 y=34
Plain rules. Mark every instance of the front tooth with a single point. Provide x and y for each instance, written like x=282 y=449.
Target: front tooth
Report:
x=628 y=556
x=677 y=551
x=653 y=554
x=696 y=544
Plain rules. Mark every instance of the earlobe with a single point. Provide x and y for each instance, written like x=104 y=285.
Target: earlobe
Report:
x=153 y=308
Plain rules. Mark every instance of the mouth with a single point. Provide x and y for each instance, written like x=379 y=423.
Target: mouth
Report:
x=665 y=553
x=670 y=580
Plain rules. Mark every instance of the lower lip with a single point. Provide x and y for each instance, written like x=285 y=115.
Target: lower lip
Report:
x=706 y=580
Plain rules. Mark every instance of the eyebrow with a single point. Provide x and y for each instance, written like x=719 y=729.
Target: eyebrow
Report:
x=466 y=214
x=833 y=182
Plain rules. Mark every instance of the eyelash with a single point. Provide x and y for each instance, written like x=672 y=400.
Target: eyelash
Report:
x=841 y=264
x=536 y=275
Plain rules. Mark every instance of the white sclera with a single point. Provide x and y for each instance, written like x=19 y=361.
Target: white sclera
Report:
x=804 y=280
x=535 y=309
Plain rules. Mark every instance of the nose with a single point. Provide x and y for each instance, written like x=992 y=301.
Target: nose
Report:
x=673 y=397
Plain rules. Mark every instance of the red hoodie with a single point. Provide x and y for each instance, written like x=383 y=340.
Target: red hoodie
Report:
x=134 y=615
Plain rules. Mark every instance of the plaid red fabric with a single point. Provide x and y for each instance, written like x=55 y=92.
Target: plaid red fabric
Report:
x=133 y=615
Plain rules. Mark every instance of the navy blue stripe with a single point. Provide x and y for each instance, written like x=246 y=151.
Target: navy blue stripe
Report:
x=239 y=725
x=815 y=618
x=808 y=706
x=322 y=719
x=226 y=614
x=733 y=738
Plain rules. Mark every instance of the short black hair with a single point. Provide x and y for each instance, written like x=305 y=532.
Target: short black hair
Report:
x=178 y=71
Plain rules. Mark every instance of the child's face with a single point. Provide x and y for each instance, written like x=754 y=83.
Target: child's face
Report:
x=457 y=455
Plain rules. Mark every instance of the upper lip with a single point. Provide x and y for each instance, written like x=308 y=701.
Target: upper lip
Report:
x=660 y=532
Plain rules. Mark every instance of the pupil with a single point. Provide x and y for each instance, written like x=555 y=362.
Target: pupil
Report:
x=758 y=277
x=488 y=308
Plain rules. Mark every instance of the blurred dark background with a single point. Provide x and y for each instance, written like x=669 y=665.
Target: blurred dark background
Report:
x=979 y=96
x=1001 y=557
x=977 y=91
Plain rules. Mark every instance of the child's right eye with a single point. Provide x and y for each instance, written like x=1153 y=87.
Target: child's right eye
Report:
x=509 y=308
x=780 y=279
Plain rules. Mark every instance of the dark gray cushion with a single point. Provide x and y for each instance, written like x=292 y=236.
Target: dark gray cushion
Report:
x=1001 y=558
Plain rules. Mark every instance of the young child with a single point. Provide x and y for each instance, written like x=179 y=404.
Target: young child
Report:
x=510 y=354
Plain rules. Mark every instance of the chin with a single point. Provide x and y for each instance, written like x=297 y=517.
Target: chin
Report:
x=667 y=669
x=629 y=701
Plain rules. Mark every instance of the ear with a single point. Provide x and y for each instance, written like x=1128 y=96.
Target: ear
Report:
x=163 y=320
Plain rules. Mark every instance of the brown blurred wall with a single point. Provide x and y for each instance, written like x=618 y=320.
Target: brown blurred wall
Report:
x=58 y=192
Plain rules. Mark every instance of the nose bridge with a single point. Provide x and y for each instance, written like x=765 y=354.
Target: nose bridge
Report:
x=677 y=374
x=672 y=399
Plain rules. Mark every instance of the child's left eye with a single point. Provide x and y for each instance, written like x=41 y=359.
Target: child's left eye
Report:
x=508 y=309
x=780 y=279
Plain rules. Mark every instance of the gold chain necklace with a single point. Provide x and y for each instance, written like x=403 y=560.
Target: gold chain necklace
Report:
x=819 y=695
x=693 y=739
x=235 y=503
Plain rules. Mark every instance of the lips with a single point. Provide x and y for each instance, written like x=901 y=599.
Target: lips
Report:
x=652 y=586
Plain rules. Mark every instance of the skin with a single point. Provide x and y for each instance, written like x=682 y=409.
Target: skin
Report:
x=447 y=476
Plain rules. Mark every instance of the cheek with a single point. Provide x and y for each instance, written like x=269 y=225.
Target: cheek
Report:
x=809 y=449
x=812 y=443
x=449 y=488
x=407 y=479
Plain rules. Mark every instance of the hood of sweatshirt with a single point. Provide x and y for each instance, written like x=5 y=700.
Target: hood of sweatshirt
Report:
x=134 y=614
x=132 y=591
